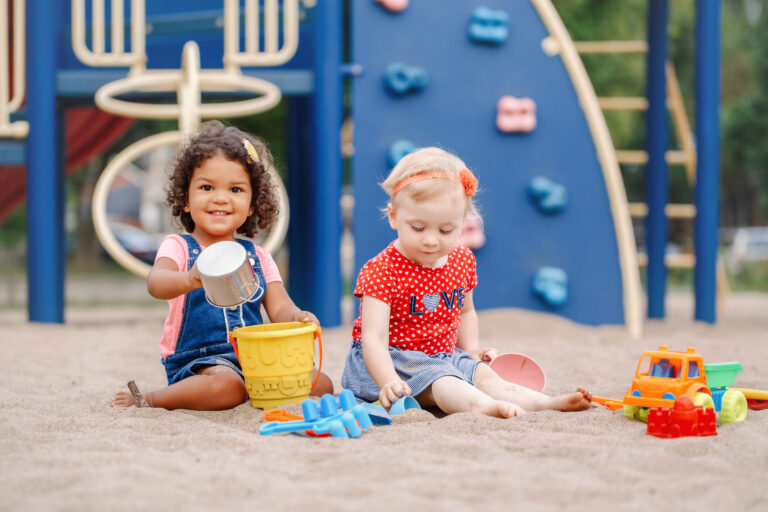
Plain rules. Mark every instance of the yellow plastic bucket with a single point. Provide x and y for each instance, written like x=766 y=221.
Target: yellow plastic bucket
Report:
x=277 y=361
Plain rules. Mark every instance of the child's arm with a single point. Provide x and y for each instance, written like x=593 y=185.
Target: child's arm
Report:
x=281 y=308
x=374 y=316
x=165 y=281
x=469 y=333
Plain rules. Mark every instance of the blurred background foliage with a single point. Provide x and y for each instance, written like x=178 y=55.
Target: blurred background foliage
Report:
x=744 y=92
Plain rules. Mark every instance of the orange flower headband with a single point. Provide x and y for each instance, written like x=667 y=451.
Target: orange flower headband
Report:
x=465 y=178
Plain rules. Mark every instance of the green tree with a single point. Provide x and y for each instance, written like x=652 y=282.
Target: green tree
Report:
x=745 y=130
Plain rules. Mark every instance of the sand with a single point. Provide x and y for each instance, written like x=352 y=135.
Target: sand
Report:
x=64 y=448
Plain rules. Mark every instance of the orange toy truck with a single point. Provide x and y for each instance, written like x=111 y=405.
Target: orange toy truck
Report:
x=663 y=375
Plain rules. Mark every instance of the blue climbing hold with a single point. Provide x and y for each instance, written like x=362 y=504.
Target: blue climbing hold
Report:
x=398 y=150
x=547 y=196
x=488 y=26
x=550 y=285
x=401 y=79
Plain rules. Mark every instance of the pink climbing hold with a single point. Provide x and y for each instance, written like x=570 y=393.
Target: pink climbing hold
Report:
x=394 y=5
x=516 y=115
x=472 y=235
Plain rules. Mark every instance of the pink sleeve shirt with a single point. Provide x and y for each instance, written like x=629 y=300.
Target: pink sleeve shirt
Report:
x=175 y=248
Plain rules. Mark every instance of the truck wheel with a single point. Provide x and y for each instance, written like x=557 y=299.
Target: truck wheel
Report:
x=635 y=412
x=734 y=407
x=703 y=400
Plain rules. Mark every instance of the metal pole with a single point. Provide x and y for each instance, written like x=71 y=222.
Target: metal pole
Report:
x=321 y=217
x=45 y=175
x=707 y=191
x=657 y=134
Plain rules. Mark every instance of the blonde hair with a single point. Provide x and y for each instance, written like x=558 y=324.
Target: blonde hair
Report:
x=427 y=160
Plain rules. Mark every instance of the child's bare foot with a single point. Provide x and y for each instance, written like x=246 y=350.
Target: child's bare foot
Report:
x=577 y=401
x=130 y=398
x=501 y=409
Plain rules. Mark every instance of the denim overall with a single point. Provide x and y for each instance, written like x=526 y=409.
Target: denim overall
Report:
x=203 y=339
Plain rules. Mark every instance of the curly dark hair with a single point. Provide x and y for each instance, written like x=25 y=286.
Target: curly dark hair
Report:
x=213 y=138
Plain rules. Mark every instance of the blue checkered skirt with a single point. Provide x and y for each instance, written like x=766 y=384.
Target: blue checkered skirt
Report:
x=417 y=369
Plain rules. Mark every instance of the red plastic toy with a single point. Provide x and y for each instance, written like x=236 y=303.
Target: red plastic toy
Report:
x=683 y=419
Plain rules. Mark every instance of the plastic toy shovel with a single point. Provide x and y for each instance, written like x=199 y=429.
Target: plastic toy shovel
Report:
x=518 y=369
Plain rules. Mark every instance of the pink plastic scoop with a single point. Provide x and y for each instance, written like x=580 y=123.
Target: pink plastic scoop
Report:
x=518 y=369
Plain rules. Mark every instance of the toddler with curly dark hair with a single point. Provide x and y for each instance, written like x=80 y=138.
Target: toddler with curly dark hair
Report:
x=220 y=186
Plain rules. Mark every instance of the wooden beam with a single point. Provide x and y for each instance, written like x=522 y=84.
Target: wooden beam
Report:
x=640 y=157
x=610 y=47
x=672 y=210
x=670 y=260
x=680 y=121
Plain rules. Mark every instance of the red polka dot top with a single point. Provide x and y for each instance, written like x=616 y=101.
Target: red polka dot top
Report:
x=425 y=303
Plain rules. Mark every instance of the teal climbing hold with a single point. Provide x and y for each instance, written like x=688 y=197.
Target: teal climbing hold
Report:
x=550 y=285
x=398 y=150
x=488 y=26
x=548 y=197
x=401 y=79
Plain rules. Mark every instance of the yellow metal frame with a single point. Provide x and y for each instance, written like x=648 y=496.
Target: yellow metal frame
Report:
x=10 y=104
x=272 y=243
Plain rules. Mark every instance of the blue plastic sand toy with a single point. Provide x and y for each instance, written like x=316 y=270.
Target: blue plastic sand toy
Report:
x=324 y=417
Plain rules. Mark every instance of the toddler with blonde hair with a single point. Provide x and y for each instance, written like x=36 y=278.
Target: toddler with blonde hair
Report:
x=417 y=333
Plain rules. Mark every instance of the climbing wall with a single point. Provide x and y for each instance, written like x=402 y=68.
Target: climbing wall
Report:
x=472 y=78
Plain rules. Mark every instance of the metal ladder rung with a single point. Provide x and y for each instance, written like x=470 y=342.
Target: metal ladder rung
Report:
x=640 y=157
x=610 y=47
x=670 y=260
x=625 y=103
x=671 y=210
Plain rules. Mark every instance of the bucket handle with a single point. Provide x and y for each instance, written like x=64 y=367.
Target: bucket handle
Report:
x=234 y=343
x=318 y=333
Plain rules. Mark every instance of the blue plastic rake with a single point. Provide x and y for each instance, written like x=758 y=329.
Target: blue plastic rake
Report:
x=323 y=417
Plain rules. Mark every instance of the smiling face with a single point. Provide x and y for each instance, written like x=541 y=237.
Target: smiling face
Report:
x=428 y=229
x=219 y=199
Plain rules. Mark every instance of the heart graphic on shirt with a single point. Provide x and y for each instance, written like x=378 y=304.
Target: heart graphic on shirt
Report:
x=430 y=301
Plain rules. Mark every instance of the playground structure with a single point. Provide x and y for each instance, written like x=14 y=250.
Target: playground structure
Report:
x=552 y=197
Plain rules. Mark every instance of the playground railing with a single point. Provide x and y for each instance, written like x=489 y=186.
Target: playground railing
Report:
x=10 y=103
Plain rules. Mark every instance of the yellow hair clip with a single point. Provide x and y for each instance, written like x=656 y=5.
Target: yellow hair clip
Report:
x=253 y=156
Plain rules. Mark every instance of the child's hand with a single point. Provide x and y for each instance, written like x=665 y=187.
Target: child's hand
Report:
x=305 y=316
x=392 y=392
x=193 y=277
x=481 y=354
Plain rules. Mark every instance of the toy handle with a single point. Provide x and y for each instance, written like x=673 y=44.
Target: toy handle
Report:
x=234 y=343
x=492 y=354
x=319 y=333
x=276 y=427
x=610 y=403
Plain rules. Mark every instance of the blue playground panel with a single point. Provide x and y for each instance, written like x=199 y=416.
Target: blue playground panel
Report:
x=456 y=110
